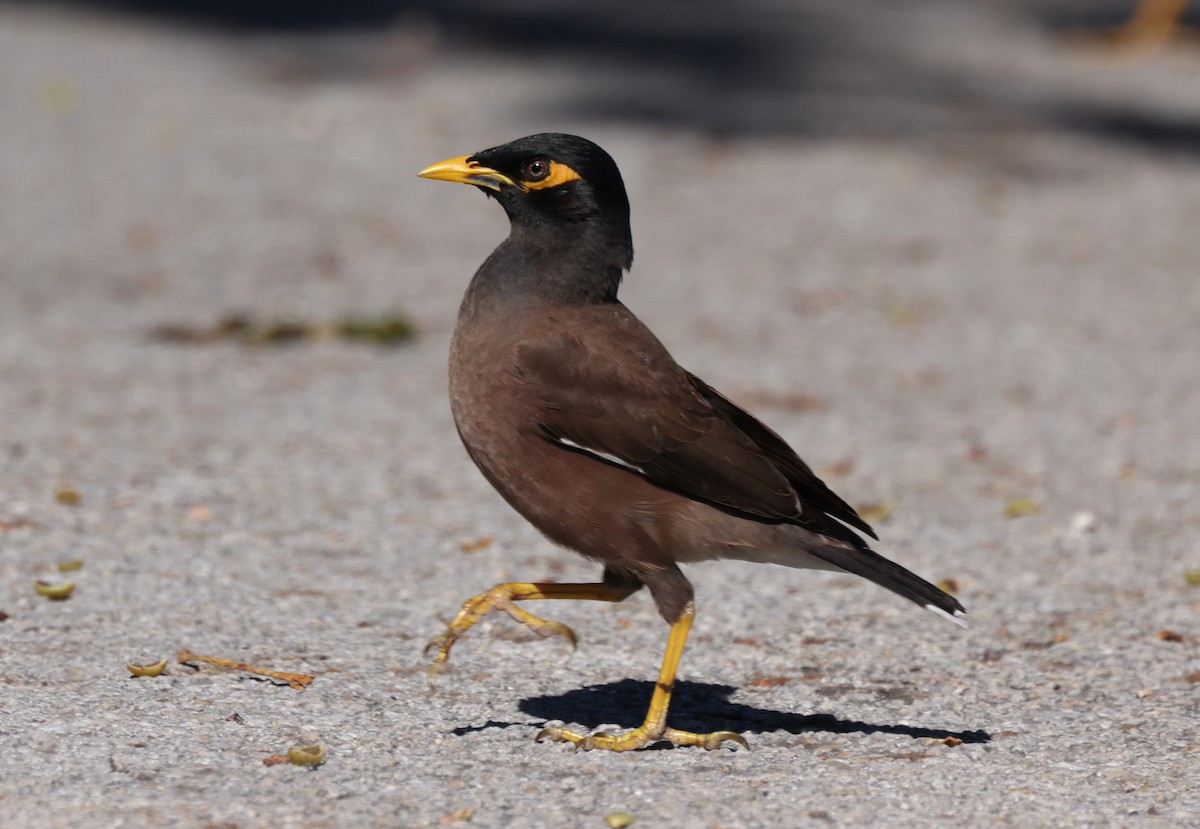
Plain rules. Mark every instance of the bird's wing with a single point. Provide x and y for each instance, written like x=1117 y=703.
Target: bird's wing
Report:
x=812 y=490
x=623 y=400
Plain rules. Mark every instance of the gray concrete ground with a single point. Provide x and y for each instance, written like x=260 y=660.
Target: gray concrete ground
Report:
x=960 y=286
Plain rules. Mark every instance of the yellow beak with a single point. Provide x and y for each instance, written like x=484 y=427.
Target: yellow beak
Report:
x=464 y=171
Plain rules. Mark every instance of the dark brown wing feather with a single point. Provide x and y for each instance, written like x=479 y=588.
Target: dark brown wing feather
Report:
x=813 y=492
x=614 y=390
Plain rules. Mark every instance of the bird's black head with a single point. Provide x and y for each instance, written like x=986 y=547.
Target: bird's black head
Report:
x=554 y=187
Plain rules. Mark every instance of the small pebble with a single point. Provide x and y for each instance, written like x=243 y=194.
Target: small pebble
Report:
x=1083 y=523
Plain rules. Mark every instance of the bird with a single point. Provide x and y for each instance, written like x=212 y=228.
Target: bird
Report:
x=584 y=423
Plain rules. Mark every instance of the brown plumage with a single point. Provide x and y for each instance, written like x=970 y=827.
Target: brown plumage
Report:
x=580 y=418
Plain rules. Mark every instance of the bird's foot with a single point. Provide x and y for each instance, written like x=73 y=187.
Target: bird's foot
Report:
x=640 y=737
x=502 y=597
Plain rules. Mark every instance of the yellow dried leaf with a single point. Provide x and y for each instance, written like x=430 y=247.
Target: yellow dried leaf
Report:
x=54 y=592
x=877 y=513
x=948 y=585
x=475 y=544
x=67 y=495
x=313 y=755
x=1020 y=507
x=70 y=565
x=154 y=669
x=618 y=820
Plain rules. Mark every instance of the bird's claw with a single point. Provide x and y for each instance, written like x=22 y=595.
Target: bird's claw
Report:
x=499 y=597
x=547 y=628
x=442 y=644
x=639 y=738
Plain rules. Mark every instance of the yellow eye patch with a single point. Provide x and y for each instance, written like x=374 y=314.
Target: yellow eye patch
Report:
x=559 y=174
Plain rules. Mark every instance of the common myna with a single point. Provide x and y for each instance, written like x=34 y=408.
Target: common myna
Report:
x=580 y=418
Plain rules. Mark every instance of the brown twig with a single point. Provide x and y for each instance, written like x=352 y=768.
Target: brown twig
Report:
x=297 y=681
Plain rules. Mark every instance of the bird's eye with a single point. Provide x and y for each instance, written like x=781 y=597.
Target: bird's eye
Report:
x=536 y=170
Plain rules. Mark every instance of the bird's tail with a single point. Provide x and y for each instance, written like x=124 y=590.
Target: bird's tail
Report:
x=865 y=562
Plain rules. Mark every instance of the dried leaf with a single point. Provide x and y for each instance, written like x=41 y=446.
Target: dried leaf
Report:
x=67 y=495
x=952 y=741
x=1170 y=636
x=70 y=566
x=1192 y=577
x=475 y=544
x=199 y=514
x=297 y=681
x=54 y=592
x=311 y=755
x=840 y=468
x=760 y=681
x=618 y=820
x=1021 y=507
x=457 y=816
x=876 y=513
x=948 y=585
x=154 y=669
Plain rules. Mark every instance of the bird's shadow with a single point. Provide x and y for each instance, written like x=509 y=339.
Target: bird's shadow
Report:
x=699 y=706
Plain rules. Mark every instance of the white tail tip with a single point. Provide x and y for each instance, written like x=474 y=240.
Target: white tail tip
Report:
x=956 y=617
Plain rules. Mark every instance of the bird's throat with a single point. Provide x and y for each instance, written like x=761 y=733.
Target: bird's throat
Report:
x=556 y=269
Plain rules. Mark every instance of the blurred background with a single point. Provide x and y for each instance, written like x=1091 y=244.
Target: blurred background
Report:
x=112 y=104
x=166 y=113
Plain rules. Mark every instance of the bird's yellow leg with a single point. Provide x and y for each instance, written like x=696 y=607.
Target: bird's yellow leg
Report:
x=1152 y=24
x=654 y=728
x=504 y=597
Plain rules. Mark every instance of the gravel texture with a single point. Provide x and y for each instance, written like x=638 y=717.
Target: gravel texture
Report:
x=959 y=274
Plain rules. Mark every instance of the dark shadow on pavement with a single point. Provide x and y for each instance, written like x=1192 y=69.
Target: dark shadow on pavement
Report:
x=1162 y=133
x=703 y=707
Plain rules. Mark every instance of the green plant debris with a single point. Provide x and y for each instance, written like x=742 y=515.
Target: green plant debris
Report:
x=389 y=329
